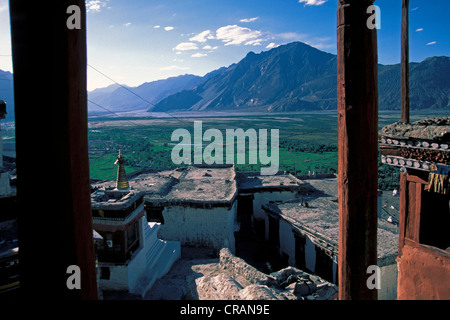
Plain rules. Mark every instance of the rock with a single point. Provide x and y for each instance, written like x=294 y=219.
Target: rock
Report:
x=220 y=287
x=301 y=289
x=258 y=292
x=283 y=275
x=237 y=267
x=327 y=291
x=313 y=296
x=315 y=279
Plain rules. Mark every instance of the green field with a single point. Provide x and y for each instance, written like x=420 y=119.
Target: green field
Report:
x=147 y=142
x=308 y=142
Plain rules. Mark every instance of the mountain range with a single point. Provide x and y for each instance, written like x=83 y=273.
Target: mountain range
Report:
x=298 y=77
x=291 y=77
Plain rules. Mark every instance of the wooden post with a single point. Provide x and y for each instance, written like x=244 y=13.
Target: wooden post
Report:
x=53 y=190
x=405 y=63
x=403 y=211
x=358 y=147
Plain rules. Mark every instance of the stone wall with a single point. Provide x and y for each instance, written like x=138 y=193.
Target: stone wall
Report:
x=238 y=268
x=237 y=280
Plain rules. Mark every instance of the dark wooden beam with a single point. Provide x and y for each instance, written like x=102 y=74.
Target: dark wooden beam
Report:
x=357 y=125
x=403 y=210
x=53 y=190
x=405 y=63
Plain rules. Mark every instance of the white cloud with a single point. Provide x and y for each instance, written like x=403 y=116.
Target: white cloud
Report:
x=169 y=28
x=156 y=27
x=322 y=46
x=127 y=24
x=198 y=55
x=291 y=36
x=202 y=36
x=185 y=46
x=236 y=35
x=208 y=47
x=3 y=5
x=249 y=19
x=272 y=45
x=256 y=42
x=173 y=67
x=312 y=2
x=321 y=43
x=420 y=29
x=414 y=9
x=95 y=5
x=431 y=43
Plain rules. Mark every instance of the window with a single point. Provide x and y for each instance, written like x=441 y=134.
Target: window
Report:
x=324 y=264
x=245 y=212
x=132 y=234
x=426 y=215
x=105 y=273
x=435 y=220
x=117 y=241
x=154 y=213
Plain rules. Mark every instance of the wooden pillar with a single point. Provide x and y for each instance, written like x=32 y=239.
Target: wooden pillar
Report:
x=53 y=190
x=405 y=63
x=403 y=210
x=358 y=147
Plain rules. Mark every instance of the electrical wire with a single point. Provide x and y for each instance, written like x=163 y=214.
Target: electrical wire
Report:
x=134 y=123
x=135 y=94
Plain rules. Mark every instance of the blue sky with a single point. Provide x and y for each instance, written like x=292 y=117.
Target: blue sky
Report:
x=137 y=41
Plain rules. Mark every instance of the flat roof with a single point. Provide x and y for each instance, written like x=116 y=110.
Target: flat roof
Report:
x=255 y=182
x=205 y=184
x=437 y=128
x=114 y=199
x=320 y=217
x=195 y=184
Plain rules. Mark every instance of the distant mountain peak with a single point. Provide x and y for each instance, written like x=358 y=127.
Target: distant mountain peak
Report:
x=290 y=77
x=299 y=77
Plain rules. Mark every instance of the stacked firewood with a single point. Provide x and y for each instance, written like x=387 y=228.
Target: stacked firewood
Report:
x=431 y=155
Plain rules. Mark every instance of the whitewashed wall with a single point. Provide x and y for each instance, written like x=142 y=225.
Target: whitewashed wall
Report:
x=138 y=264
x=388 y=275
x=287 y=241
x=125 y=277
x=118 y=278
x=388 y=279
x=211 y=228
x=261 y=198
x=287 y=245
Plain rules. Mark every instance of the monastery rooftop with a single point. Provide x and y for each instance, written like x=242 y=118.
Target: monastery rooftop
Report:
x=191 y=185
x=114 y=199
x=317 y=213
x=253 y=182
x=437 y=129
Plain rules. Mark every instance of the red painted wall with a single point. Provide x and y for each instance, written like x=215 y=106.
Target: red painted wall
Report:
x=424 y=273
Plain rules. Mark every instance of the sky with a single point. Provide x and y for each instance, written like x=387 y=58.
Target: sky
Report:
x=137 y=41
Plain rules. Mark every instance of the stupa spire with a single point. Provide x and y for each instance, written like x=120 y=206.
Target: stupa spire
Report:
x=121 y=182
